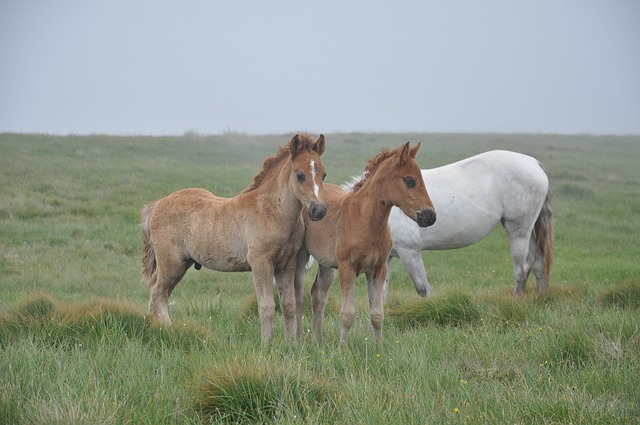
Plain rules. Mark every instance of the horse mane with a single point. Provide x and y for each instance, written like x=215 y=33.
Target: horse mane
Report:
x=272 y=162
x=348 y=186
x=373 y=165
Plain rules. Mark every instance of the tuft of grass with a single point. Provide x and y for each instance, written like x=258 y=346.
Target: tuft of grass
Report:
x=252 y=392
x=9 y=411
x=552 y=295
x=509 y=311
x=33 y=312
x=501 y=371
x=85 y=325
x=36 y=308
x=626 y=295
x=571 y=348
x=249 y=306
x=452 y=310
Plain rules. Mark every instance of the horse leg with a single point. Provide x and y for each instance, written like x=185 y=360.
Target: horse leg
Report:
x=348 y=307
x=412 y=260
x=263 y=275
x=286 y=294
x=536 y=257
x=168 y=273
x=387 y=279
x=302 y=258
x=375 y=285
x=319 y=294
x=158 y=302
x=187 y=265
x=519 y=241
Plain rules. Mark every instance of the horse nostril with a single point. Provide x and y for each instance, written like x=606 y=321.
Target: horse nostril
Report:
x=317 y=211
x=426 y=218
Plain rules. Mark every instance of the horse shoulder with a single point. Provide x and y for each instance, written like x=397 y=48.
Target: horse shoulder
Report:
x=320 y=236
x=354 y=237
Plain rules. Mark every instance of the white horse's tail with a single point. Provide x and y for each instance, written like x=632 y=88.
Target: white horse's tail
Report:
x=148 y=253
x=543 y=230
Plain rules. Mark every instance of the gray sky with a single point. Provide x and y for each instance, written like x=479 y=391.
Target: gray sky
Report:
x=166 y=67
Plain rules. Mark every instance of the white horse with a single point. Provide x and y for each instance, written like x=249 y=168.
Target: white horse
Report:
x=471 y=197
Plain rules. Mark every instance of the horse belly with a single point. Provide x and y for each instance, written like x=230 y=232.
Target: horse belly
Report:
x=226 y=264
x=467 y=213
x=219 y=247
x=220 y=250
x=459 y=234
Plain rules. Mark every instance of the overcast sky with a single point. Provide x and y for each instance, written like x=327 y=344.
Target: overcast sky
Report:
x=168 y=67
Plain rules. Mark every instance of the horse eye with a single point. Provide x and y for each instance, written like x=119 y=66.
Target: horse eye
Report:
x=300 y=176
x=410 y=182
x=324 y=175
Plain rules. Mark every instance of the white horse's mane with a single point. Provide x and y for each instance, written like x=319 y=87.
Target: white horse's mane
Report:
x=348 y=186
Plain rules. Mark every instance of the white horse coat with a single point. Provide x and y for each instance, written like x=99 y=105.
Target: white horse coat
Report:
x=471 y=197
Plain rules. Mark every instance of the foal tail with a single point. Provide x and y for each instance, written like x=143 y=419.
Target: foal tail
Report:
x=543 y=230
x=148 y=253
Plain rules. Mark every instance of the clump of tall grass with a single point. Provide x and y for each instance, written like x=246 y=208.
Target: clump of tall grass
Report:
x=626 y=295
x=54 y=323
x=453 y=310
x=251 y=391
x=249 y=306
x=508 y=310
x=9 y=411
x=553 y=295
x=572 y=348
x=502 y=371
x=34 y=312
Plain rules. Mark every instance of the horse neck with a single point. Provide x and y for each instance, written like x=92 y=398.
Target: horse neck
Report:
x=276 y=188
x=373 y=203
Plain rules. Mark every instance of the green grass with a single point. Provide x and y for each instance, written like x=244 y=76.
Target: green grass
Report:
x=454 y=310
x=252 y=390
x=76 y=347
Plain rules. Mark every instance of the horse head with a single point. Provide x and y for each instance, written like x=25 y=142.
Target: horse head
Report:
x=407 y=190
x=308 y=173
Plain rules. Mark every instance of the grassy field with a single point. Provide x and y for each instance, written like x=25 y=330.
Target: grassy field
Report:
x=75 y=346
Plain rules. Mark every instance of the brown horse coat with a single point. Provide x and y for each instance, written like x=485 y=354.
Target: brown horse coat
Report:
x=354 y=237
x=260 y=230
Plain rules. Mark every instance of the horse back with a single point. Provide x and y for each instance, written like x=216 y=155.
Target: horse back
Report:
x=196 y=224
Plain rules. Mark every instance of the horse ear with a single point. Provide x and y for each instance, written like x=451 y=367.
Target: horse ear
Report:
x=414 y=150
x=404 y=153
x=294 y=145
x=318 y=146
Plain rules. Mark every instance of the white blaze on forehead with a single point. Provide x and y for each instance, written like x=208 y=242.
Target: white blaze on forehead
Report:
x=316 y=188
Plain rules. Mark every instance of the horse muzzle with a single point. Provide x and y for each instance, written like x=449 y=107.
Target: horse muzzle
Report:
x=426 y=217
x=317 y=211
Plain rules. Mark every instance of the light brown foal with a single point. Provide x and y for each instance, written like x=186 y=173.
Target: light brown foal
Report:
x=260 y=230
x=354 y=237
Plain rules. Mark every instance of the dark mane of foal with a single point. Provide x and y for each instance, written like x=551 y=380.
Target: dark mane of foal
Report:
x=374 y=164
x=306 y=143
